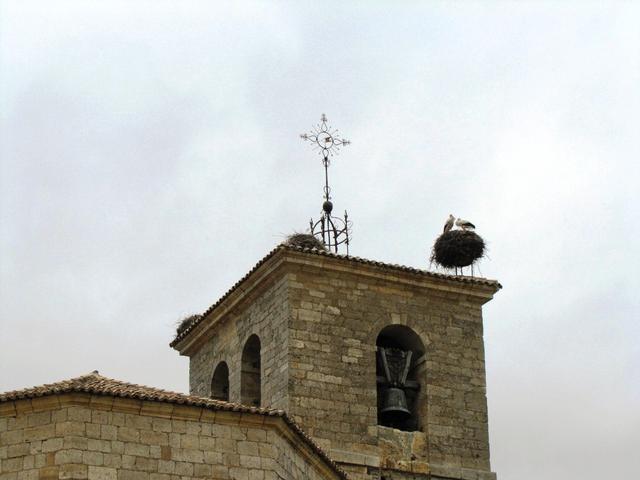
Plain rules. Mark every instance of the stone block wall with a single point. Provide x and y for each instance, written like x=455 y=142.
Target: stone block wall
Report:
x=266 y=316
x=335 y=320
x=134 y=440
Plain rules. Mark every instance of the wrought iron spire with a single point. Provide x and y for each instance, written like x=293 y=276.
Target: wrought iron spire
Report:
x=333 y=231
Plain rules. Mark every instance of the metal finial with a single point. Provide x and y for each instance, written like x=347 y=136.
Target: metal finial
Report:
x=333 y=231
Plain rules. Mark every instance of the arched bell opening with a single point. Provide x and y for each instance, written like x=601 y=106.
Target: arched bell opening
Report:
x=250 y=373
x=220 y=382
x=399 y=373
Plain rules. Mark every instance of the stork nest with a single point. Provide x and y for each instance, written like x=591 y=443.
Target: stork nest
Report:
x=457 y=248
x=305 y=240
x=185 y=323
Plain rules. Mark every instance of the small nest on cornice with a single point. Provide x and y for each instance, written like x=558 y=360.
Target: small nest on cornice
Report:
x=305 y=240
x=185 y=323
x=457 y=248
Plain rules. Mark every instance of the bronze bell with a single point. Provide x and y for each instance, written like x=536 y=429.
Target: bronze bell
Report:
x=395 y=404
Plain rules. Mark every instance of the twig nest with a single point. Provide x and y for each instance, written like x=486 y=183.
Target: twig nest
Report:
x=457 y=248
x=185 y=323
x=305 y=240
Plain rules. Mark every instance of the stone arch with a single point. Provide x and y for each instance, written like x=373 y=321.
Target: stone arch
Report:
x=250 y=382
x=400 y=378
x=220 y=382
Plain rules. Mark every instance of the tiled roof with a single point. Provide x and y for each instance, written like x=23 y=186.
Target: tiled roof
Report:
x=95 y=384
x=313 y=251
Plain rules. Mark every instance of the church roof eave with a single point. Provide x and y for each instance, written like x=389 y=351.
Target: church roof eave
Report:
x=481 y=286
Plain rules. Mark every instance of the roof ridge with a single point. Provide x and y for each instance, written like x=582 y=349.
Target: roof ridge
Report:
x=99 y=384
x=86 y=377
x=62 y=385
x=325 y=253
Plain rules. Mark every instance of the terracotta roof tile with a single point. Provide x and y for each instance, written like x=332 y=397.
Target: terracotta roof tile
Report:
x=95 y=384
x=313 y=251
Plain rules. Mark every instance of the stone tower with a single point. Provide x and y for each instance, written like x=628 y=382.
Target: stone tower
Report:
x=306 y=331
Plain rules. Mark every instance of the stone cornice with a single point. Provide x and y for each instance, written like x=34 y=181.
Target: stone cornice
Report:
x=482 y=290
x=270 y=269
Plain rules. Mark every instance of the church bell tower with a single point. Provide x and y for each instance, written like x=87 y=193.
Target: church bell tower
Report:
x=381 y=365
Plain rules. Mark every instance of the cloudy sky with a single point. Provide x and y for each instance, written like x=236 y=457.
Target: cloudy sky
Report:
x=150 y=156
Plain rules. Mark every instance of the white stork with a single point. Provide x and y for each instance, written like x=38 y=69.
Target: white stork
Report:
x=449 y=223
x=464 y=224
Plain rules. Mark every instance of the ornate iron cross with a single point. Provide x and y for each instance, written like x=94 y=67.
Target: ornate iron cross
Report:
x=333 y=231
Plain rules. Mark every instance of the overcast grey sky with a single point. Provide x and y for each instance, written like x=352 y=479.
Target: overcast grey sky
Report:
x=150 y=156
